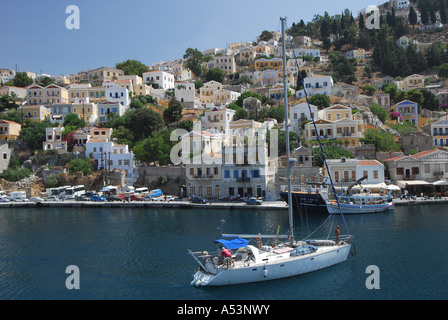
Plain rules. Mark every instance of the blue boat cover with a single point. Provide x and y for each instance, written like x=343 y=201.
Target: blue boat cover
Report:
x=233 y=243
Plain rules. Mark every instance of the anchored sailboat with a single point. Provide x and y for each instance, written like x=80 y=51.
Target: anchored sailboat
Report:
x=286 y=257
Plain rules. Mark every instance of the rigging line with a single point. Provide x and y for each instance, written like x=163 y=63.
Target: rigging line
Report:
x=317 y=134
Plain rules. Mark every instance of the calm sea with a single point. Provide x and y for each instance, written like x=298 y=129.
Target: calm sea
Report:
x=142 y=254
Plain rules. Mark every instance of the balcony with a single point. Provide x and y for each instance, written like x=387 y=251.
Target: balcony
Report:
x=203 y=176
x=246 y=179
x=409 y=177
x=438 y=173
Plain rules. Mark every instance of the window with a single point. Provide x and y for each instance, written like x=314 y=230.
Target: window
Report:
x=400 y=171
x=375 y=174
x=415 y=170
x=365 y=174
x=227 y=174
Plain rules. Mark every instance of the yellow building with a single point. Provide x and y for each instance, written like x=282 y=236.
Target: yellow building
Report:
x=51 y=94
x=95 y=94
x=265 y=64
x=9 y=130
x=86 y=111
x=337 y=123
x=141 y=89
x=36 y=113
x=337 y=112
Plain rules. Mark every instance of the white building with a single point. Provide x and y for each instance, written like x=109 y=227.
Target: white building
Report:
x=117 y=94
x=107 y=108
x=347 y=171
x=316 y=85
x=300 y=52
x=226 y=63
x=163 y=79
x=185 y=93
x=111 y=156
x=300 y=112
x=401 y=4
x=53 y=140
x=217 y=119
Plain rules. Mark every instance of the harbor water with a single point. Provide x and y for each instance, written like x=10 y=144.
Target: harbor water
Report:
x=141 y=253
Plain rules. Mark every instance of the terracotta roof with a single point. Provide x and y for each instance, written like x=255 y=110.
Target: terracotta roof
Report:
x=368 y=163
x=7 y=121
x=423 y=153
x=394 y=158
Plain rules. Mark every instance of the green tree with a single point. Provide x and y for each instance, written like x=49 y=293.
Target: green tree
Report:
x=331 y=152
x=132 y=67
x=186 y=124
x=142 y=122
x=45 y=81
x=215 y=74
x=277 y=113
x=266 y=35
x=412 y=16
x=124 y=136
x=193 y=59
x=73 y=119
x=174 y=111
x=22 y=80
x=320 y=100
x=157 y=147
x=383 y=140
x=83 y=165
x=34 y=134
x=381 y=113
x=247 y=94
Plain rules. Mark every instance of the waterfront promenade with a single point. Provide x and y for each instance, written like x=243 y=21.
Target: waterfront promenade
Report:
x=184 y=204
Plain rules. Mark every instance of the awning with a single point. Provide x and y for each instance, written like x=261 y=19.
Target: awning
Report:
x=405 y=183
x=234 y=243
x=440 y=183
x=392 y=187
x=381 y=185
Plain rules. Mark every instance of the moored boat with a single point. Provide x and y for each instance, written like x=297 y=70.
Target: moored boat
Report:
x=361 y=203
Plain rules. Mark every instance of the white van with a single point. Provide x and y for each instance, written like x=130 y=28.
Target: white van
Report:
x=17 y=195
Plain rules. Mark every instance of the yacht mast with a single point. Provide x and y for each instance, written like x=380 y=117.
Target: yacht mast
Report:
x=286 y=124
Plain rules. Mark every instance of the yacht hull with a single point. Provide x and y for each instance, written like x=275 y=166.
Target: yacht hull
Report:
x=357 y=209
x=294 y=266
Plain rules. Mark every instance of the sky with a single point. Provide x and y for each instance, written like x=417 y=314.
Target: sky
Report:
x=35 y=38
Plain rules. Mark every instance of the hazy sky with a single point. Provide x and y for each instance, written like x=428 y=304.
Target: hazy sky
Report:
x=34 y=34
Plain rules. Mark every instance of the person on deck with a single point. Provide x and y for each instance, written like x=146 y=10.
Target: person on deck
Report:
x=337 y=232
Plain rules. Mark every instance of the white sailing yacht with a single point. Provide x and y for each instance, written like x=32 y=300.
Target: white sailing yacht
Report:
x=285 y=258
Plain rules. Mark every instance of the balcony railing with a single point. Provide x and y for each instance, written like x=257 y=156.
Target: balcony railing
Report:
x=203 y=176
x=246 y=179
x=438 y=173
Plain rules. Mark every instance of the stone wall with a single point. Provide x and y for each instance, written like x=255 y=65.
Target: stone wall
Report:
x=152 y=176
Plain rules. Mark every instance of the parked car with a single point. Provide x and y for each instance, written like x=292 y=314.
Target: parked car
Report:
x=97 y=198
x=51 y=198
x=136 y=198
x=3 y=199
x=36 y=199
x=253 y=201
x=195 y=199
x=114 y=198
